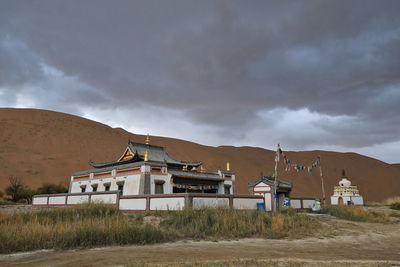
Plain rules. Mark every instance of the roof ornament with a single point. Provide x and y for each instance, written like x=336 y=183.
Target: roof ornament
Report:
x=146 y=156
x=147 y=139
x=202 y=169
x=228 y=166
x=185 y=168
x=194 y=169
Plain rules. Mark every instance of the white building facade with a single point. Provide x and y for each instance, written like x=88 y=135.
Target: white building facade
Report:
x=346 y=194
x=145 y=169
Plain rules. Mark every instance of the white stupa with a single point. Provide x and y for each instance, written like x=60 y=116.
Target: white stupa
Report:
x=346 y=194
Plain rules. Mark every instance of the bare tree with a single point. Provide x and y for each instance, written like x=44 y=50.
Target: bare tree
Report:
x=17 y=190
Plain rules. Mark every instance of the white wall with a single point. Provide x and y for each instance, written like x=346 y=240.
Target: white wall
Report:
x=39 y=201
x=167 y=203
x=132 y=204
x=295 y=203
x=104 y=198
x=202 y=202
x=77 y=199
x=308 y=203
x=131 y=185
x=357 y=200
x=246 y=203
x=57 y=200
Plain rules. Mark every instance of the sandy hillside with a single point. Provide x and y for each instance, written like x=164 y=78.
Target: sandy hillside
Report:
x=45 y=146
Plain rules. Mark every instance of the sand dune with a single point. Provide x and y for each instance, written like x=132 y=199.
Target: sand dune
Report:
x=45 y=146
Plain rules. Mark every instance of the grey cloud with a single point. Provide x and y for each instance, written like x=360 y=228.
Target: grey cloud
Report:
x=221 y=63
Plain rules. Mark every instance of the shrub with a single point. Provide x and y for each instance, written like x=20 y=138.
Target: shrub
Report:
x=48 y=188
x=355 y=213
x=393 y=202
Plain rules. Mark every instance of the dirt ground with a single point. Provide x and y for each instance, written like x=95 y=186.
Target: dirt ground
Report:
x=338 y=241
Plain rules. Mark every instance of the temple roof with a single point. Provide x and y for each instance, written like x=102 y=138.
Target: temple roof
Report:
x=270 y=181
x=155 y=154
x=196 y=175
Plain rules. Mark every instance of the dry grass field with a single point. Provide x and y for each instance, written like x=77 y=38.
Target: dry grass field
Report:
x=214 y=237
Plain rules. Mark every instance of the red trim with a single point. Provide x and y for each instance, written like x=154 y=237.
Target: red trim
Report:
x=213 y=197
x=167 y=197
x=98 y=194
x=228 y=176
x=166 y=210
x=129 y=170
x=156 y=169
x=81 y=177
x=102 y=174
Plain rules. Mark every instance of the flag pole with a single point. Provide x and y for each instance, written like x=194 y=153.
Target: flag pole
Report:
x=322 y=180
x=275 y=207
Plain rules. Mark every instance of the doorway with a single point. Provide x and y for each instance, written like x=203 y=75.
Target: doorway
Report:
x=340 y=201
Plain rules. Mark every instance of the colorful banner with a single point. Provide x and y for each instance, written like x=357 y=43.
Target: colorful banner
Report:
x=195 y=187
x=289 y=164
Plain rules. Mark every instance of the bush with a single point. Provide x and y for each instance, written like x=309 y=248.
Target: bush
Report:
x=393 y=203
x=355 y=213
x=395 y=206
x=48 y=188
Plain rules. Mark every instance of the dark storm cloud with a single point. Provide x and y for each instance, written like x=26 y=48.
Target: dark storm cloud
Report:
x=220 y=63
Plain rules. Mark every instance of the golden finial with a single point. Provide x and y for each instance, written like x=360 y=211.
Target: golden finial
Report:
x=146 y=156
x=202 y=169
x=184 y=168
x=194 y=169
x=147 y=139
x=228 y=166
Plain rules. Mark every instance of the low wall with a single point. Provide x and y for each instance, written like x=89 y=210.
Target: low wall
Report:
x=302 y=202
x=110 y=197
x=152 y=202
x=181 y=201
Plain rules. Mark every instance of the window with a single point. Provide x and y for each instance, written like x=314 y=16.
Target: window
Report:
x=159 y=187
x=83 y=189
x=121 y=189
x=227 y=189
x=107 y=187
x=94 y=188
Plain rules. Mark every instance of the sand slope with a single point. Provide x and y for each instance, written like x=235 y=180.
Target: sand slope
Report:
x=45 y=146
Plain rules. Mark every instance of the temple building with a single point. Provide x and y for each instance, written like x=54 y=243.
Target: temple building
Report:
x=264 y=187
x=148 y=169
x=345 y=193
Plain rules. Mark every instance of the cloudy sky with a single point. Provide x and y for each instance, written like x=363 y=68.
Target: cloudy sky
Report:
x=307 y=74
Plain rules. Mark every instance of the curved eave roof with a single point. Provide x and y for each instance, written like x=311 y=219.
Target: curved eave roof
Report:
x=155 y=154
